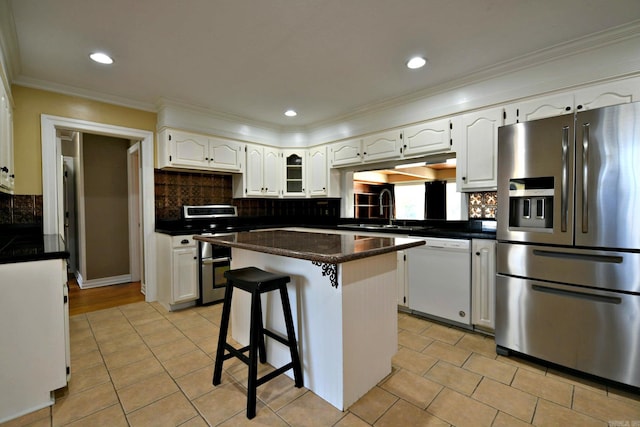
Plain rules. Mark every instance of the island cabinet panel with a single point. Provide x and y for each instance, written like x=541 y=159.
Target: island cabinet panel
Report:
x=347 y=335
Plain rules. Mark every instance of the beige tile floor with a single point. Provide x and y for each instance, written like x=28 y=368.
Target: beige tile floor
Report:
x=140 y=365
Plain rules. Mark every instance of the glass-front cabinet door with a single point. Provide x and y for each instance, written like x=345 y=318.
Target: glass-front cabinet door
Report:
x=294 y=173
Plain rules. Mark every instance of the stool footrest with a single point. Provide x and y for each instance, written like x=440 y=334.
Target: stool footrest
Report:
x=276 y=337
x=271 y=375
x=236 y=352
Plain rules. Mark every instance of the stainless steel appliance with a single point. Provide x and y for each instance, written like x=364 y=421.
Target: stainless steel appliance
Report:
x=212 y=220
x=568 y=259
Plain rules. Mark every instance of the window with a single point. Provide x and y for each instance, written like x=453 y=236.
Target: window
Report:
x=454 y=202
x=410 y=200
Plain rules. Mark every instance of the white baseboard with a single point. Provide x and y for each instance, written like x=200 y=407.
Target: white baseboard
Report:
x=104 y=281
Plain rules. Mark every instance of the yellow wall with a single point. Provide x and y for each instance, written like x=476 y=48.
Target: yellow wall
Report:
x=30 y=103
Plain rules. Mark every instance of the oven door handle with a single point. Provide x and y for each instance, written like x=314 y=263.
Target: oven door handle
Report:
x=215 y=260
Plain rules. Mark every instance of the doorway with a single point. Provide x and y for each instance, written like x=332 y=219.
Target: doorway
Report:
x=53 y=213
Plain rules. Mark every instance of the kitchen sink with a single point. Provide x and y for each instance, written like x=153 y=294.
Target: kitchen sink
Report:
x=381 y=227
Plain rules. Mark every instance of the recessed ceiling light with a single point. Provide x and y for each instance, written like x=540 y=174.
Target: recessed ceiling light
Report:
x=101 y=58
x=416 y=62
x=290 y=113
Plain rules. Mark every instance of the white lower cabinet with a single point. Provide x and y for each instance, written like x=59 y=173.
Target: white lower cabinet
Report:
x=177 y=270
x=33 y=353
x=483 y=283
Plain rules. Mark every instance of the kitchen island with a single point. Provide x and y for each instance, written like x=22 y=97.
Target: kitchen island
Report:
x=343 y=301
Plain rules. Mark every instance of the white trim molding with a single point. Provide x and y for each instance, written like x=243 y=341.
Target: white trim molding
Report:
x=103 y=281
x=51 y=208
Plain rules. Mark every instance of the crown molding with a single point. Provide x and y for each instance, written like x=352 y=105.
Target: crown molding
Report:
x=84 y=93
x=562 y=50
x=164 y=102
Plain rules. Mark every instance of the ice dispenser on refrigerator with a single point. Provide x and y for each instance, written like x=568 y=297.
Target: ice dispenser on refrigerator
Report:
x=531 y=203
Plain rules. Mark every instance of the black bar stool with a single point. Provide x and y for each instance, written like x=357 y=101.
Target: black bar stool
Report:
x=256 y=282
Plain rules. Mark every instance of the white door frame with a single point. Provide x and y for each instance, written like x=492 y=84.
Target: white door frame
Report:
x=135 y=232
x=52 y=203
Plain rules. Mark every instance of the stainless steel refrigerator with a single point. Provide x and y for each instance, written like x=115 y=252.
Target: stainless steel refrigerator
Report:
x=568 y=230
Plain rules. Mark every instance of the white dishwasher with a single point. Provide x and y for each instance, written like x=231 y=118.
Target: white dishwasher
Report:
x=440 y=279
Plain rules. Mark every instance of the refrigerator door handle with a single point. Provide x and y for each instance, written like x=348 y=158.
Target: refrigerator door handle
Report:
x=585 y=177
x=613 y=259
x=564 y=198
x=581 y=295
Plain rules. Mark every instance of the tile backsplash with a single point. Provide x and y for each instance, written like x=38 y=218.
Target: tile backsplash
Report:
x=174 y=189
x=20 y=209
x=483 y=204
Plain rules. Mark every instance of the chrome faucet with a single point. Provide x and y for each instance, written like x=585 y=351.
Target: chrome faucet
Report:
x=390 y=204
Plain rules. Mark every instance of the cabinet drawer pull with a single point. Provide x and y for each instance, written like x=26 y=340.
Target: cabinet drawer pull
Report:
x=184 y=242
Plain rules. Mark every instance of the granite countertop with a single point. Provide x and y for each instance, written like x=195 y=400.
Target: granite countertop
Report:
x=469 y=229
x=320 y=247
x=31 y=247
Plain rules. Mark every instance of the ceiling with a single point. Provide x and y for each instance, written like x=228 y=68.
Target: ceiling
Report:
x=254 y=59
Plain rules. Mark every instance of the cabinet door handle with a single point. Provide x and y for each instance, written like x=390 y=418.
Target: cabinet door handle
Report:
x=184 y=242
x=478 y=253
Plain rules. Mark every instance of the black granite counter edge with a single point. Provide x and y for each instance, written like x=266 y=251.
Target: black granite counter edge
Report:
x=312 y=256
x=471 y=229
x=13 y=259
x=26 y=244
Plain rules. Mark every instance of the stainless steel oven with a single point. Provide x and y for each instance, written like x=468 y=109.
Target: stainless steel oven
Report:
x=212 y=220
x=214 y=261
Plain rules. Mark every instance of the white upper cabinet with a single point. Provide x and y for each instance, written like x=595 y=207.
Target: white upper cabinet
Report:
x=539 y=108
x=604 y=95
x=382 y=146
x=225 y=154
x=294 y=163
x=262 y=173
x=317 y=171
x=427 y=138
x=178 y=149
x=477 y=168
x=7 y=173
x=188 y=149
x=346 y=153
